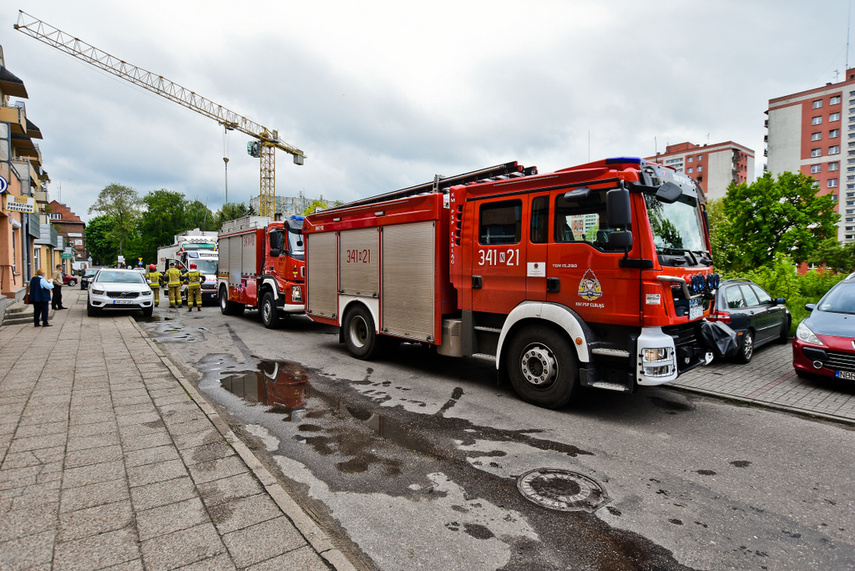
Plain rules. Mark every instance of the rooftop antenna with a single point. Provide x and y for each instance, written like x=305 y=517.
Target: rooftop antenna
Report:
x=848 y=28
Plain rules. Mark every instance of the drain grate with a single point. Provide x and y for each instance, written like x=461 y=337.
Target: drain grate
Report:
x=562 y=490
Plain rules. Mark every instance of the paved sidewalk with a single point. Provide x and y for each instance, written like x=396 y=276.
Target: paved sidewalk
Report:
x=769 y=380
x=109 y=459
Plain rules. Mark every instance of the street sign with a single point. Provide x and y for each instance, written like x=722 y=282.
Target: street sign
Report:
x=65 y=256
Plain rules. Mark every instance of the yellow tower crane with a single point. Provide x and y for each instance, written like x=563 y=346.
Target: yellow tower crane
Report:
x=266 y=140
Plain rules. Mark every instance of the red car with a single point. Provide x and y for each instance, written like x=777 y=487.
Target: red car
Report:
x=69 y=280
x=825 y=342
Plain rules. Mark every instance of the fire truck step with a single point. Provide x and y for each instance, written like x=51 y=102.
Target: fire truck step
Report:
x=611 y=352
x=488 y=329
x=485 y=357
x=610 y=386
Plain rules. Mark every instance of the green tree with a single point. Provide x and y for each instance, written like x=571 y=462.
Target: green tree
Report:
x=836 y=256
x=197 y=215
x=725 y=251
x=777 y=216
x=122 y=204
x=98 y=243
x=164 y=217
x=231 y=211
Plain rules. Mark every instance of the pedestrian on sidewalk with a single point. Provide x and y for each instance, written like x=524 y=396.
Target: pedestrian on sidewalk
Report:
x=56 y=300
x=40 y=298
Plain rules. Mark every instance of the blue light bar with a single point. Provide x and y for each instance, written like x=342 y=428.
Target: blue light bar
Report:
x=297 y=217
x=615 y=160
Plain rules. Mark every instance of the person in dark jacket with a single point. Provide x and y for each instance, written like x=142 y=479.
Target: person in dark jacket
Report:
x=40 y=298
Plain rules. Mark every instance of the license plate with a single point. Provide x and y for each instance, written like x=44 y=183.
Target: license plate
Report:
x=848 y=375
x=123 y=302
x=696 y=310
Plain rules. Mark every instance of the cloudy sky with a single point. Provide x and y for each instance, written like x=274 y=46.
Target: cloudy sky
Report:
x=384 y=94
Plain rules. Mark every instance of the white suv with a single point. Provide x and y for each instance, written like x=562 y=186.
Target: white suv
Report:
x=119 y=289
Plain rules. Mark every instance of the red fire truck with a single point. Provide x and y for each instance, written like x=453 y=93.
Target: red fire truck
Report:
x=261 y=266
x=598 y=275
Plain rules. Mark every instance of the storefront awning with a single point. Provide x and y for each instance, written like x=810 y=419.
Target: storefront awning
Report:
x=11 y=84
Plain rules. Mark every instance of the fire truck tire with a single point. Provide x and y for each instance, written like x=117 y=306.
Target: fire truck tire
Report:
x=229 y=307
x=542 y=367
x=359 y=334
x=268 y=313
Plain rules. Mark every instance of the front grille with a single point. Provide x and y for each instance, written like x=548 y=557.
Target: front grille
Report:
x=207 y=285
x=837 y=361
x=123 y=294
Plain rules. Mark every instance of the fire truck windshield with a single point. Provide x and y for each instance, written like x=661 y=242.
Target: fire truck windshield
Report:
x=295 y=243
x=206 y=266
x=677 y=230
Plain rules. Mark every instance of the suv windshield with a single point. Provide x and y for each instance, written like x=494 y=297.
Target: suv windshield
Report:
x=841 y=299
x=677 y=230
x=126 y=277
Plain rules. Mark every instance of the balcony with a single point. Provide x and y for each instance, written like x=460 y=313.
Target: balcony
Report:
x=16 y=117
x=41 y=196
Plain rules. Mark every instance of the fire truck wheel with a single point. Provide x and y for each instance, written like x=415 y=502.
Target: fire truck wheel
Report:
x=229 y=307
x=542 y=367
x=268 y=312
x=359 y=334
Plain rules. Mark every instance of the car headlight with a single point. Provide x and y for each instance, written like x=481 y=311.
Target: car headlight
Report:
x=147 y=292
x=296 y=295
x=97 y=291
x=804 y=334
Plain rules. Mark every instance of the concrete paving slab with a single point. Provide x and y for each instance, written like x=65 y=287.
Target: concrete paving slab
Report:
x=121 y=464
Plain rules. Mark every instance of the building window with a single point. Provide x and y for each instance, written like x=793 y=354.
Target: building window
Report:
x=833 y=166
x=835 y=150
x=834 y=117
x=700 y=168
x=835 y=100
x=816 y=121
x=817 y=104
x=834 y=134
x=690 y=170
x=815 y=153
x=700 y=157
x=815 y=169
x=815 y=136
x=832 y=183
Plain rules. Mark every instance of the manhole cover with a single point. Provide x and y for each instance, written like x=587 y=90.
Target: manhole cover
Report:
x=561 y=490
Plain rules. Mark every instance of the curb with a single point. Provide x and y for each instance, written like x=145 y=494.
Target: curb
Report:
x=305 y=525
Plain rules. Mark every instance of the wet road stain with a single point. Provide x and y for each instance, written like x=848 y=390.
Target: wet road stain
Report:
x=670 y=406
x=741 y=463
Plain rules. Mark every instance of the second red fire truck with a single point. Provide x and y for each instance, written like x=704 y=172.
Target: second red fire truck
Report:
x=261 y=267
x=598 y=275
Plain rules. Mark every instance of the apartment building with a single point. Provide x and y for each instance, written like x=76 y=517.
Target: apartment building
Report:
x=813 y=132
x=28 y=240
x=715 y=167
x=70 y=229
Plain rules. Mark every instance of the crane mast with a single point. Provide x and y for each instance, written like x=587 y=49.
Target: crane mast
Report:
x=266 y=140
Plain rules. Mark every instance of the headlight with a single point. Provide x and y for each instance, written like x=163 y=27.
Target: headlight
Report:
x=804 y=334
x=658 y=362
x=97 y=291
x=296 y=295
x=147 y=292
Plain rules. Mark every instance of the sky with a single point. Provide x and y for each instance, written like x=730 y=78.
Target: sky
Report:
x=381 y=95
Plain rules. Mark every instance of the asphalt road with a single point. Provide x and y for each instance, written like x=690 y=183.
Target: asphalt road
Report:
x=413 y=461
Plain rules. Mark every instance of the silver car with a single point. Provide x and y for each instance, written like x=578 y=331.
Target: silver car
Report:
x=119 y=289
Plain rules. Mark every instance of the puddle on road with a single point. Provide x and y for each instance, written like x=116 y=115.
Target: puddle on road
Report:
x=171 y=330
x=320 y=420
x=280 y=385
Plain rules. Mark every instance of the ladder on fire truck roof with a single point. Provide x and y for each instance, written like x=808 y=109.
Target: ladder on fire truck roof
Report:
x=442 y=184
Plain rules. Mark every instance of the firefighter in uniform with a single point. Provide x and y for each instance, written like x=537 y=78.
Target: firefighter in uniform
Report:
x=193 y=279
x=173 y=282
x=154 y=277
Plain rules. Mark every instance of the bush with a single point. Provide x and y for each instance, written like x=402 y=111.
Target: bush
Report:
x=781 y=279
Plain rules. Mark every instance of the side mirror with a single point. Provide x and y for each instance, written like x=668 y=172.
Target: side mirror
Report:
x=620 y=240
x=810 y=306
x=617 y=203
x=669 y=192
